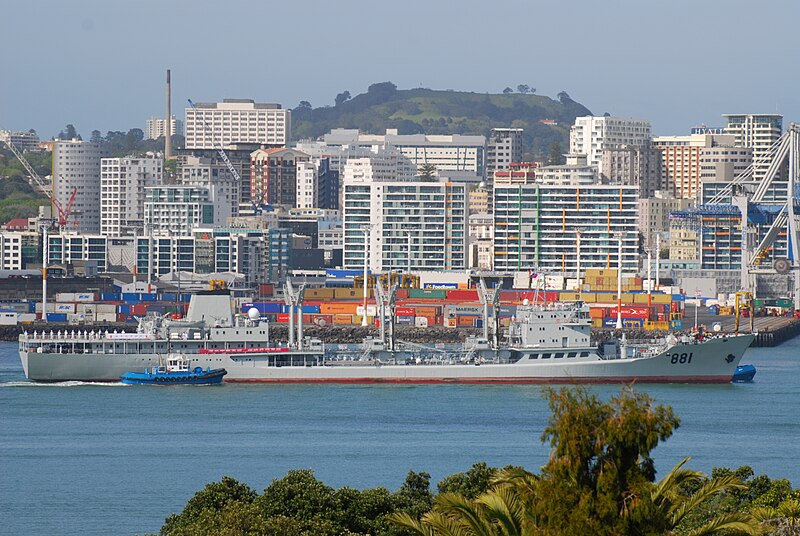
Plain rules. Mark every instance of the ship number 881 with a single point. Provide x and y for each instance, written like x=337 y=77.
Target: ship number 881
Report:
x=681 y=358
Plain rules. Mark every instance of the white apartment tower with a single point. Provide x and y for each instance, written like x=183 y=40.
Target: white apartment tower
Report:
x=234 y=121
x=759 y=132
x=590 y=135
x=76 y=168
x=503 y=147
x=122 y=193
x=416 y=225
x=156 y=127
x=307 y=184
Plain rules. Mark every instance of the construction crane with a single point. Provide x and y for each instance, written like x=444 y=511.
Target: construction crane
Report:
x=63 y=212
x=224 y=157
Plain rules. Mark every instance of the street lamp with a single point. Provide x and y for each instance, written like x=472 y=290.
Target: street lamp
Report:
x=619 y=236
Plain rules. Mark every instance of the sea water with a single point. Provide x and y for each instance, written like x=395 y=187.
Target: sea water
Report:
x=87 y=459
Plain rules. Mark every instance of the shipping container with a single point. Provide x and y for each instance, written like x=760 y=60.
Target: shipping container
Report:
x=402 y=293
x=466 y=320
x=105 y=317
x=404 y=320
x=56 y=317
x=421 y=321
x=130 y=297
x=339 y=308
x=322 y=320
x=124 y=309
x=404 y=311
x=282 y=317
x=65 y=297
x=427 y=293
x=458 y=310
x=342 y=319
x=109 y=296
x=319 y=293
x=428 y=310
x=84 y=297
x=351 y=293
x=462 y=295
x=138 y=309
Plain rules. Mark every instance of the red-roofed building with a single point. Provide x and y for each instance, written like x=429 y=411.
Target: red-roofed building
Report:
x=17 y=224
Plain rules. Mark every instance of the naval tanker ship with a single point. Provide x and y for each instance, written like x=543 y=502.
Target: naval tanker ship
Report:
x=543 y=344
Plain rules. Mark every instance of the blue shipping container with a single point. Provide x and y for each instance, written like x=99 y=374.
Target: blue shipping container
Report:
x=130 y=297
x=144 y=296
x=185 y=297
x=56 y=317
x=109 y=296
x=678 y=297
x=343 y=274
x=124 y=309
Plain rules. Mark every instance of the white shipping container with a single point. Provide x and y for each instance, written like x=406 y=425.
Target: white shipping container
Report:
x=85 y=308
x=83 y=297
x=372 y=310
x=554 y=282
x=106 y=308
x=63 y=308
x=572 y=284
x=8 y=318
x=421 y=322
x=65 y=297
x=106 y=317
x=27 y=317
x=75 y=318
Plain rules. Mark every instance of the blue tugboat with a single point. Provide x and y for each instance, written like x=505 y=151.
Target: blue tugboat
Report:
x=744 y=373
x=175 y=373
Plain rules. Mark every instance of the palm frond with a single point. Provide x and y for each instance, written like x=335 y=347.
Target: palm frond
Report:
x=406 y=521
x=735 y=522
x=709 y=488
x=472 y=514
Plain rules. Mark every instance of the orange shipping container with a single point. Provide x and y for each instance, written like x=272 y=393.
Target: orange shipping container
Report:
x=342 y=319
x=427 y=311
x=339 y=308
x=466 y=320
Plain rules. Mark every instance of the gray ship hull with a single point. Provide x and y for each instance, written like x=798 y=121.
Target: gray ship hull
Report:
x=712 y=361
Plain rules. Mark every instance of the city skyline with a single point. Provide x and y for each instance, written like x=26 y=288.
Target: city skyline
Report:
x=99 y=66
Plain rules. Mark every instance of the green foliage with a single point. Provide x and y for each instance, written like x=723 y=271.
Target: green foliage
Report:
x=18 y=199
x=600 y=480
x=429 y=111
x=555 y=157
x=427 y=171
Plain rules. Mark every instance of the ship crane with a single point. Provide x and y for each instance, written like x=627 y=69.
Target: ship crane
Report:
x=63 y=212
x=257 y=199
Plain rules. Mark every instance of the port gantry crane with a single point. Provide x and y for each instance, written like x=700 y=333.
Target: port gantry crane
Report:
x=768 y=209
x=257 y=199
x=63 y=212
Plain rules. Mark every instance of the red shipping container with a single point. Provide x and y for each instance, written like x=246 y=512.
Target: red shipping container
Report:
x=462 y=295
x=322 y=320
x=634 y=312
x=432 y=319
x=139 y=309
x=402 y=293
x=404 y=311
x=283 y=317
x=306 y=319
x=121 y=317
x=509 y=296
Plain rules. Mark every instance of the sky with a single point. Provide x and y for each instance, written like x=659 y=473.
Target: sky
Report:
x=101 y=64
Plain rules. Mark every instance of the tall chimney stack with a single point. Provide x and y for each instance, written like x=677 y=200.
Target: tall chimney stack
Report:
x=168 y=125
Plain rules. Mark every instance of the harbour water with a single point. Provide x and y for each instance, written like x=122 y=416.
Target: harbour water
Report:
x=111 y=459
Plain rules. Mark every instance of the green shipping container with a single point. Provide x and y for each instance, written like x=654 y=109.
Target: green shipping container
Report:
x=427 y=293
x=784 y=302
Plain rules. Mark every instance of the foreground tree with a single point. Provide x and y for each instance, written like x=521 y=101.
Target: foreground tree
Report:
x=427 y=171
x=600 y=480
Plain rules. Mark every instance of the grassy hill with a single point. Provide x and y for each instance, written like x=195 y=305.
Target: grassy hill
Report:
x=414 y=111
x=17 y=198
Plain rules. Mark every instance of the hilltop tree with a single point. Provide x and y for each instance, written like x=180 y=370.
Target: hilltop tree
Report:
x=96 y=137
x=69 y=134
x=563 y=97
x=508 y=91
x=523 y=88
x=342 y=98
x=304 y=105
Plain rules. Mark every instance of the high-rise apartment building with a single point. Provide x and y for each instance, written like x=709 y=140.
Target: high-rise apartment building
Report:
x=417 y=225
x=76 y=168
x=214 y=176
x=503 y=148
x=178 y=210
x=633 y=165
x=273 y=176
x=591 y=135
x=122 y=193
x=456 y=156
x=536 y=227
x=681 y=161
x=237 y=121
x=156 y=127
x=759 y=132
